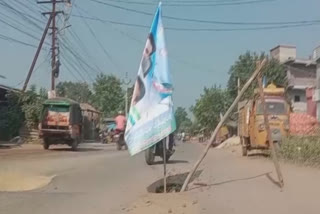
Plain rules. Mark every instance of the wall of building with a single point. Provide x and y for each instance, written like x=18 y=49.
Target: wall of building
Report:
x=283 y=53
x=298 y=100
x=301 y=76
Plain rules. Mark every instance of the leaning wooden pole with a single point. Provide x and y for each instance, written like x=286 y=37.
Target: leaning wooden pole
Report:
x=267 y=125
x=235 y=102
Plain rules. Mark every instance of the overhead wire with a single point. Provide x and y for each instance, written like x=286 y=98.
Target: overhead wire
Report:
x=106 y=52
x=206 y=21
x=140 y=42
x=194 y=3
x=201 y=29
x=10 y=39
x=25 y=16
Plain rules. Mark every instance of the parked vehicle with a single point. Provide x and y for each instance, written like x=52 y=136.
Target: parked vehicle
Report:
x=252 y=129
x=157 y=150
x=61 y=123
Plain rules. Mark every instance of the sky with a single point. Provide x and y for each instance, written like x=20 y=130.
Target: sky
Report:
x=197 y=59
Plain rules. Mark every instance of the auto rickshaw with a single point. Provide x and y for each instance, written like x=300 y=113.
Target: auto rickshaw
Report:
x=61 y=123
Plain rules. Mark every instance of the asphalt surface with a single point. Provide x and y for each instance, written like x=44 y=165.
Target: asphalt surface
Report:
x=96 y=179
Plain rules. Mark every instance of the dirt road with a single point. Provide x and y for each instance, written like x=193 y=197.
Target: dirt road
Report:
x=98 y=179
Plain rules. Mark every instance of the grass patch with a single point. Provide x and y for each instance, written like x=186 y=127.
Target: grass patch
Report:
x=302 y=150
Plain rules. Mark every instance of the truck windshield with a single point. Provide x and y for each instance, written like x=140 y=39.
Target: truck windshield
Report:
x=60 y=109
x=275 y=107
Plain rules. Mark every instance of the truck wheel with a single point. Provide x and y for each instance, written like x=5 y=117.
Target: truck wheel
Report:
x=74 y=145
x=119 y=146
x=244 y=146
x=244 y=151
x=149 y=156
x=46 y=143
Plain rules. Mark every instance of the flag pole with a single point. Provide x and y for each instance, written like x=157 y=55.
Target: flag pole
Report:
x=165 y=164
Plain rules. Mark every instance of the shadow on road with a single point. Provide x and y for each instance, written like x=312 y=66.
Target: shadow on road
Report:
x=78 y=150
x=175 y=181
x=265 y=155
x=273 y=180
x=170 y=162
x=5 y=147
x=199 y=185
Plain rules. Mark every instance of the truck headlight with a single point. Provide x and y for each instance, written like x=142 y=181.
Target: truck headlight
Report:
x=261 y=127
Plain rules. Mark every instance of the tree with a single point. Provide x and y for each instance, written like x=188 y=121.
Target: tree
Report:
x=182 y=119
x=208 y=107
x=31 y=105
x=78 y=91
x=245 y=66
x=108 y=95
x=11 y=117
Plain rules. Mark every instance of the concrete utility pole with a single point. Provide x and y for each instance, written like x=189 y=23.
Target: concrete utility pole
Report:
x=126 y=83
x=54 y=63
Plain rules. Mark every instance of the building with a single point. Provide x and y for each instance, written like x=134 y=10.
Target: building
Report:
x=301 y=75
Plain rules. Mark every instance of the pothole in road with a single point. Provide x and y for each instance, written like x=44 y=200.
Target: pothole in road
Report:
x=174 y=183
x=173 y=187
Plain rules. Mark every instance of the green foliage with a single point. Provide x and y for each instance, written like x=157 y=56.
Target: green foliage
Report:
x=245 y=66
x=207 y=109
x=182 y=119
x=108 y=95
x=11 y=117
x=303 y=150
x=77 y=91
x=31 y=105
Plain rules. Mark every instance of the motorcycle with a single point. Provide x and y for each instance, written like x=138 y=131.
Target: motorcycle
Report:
x=157 y=150
x=119 y=139
x=105 y=137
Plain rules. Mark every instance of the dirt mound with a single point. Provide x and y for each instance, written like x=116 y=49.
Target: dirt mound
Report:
x=17 y=181
x=233 y=141
x=163 y=203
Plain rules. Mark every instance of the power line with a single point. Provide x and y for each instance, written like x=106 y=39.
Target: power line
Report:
x=100 y=44
x=206 y=21
x=201 y=29
x=18 y=29
x=6 y=38
x=79 y=59
x=25 y=16
x=82 y=46
x=193 y=3
x=73 y=67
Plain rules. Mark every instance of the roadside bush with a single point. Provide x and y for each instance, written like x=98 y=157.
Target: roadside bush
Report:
x=303 y=150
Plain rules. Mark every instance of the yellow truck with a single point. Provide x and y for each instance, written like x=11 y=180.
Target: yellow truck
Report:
x=252 y=131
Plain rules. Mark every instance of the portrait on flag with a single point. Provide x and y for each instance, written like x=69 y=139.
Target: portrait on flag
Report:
x=151 y=116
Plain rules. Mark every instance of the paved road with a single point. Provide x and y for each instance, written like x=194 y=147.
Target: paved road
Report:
x=99 y=179
x=96 y=179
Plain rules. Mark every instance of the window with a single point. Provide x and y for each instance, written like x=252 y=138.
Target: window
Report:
x=296 y=98
x=273 y=107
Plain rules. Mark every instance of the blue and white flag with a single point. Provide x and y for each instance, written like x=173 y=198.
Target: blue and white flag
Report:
x=151 y=115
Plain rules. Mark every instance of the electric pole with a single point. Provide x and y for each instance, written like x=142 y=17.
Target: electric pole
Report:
x=126 y=83
x=55 y=64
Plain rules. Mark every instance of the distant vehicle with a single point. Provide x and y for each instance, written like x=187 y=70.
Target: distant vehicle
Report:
x=61 y=123
x=107 y=131
x=157 y=150
x=252 y=131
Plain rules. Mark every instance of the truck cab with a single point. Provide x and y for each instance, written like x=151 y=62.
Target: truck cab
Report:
x=61 y=123
x=253 y=133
